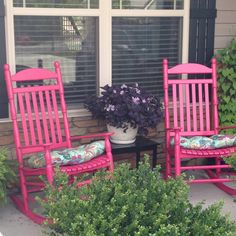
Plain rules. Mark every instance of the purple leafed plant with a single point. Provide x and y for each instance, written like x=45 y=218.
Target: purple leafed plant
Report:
x=119 y=105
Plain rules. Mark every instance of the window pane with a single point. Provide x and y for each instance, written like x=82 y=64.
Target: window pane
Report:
x=147 y=4
x=39 y=41
x=139 y=46
x=57 y=3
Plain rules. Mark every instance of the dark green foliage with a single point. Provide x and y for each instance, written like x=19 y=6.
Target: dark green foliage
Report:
x=132 y=202
x=7 y=175
x=226 y=60
x=231 y=161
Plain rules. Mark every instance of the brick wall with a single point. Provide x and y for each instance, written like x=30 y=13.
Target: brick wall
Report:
x=81 y=126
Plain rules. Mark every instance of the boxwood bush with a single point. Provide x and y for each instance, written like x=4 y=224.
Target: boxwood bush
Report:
x=7 y=175
x=231 y=161
x=132 y=202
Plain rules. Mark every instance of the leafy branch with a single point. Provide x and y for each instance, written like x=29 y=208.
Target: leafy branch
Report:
x=226 y=59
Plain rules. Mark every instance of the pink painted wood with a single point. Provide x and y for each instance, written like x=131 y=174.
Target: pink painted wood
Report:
x=191 y=111
x=45 y=127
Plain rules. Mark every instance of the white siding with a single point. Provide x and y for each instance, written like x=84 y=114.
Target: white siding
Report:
x=225 y=27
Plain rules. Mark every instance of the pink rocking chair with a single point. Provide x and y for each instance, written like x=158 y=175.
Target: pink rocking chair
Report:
x=191 y=125
x=38 y=109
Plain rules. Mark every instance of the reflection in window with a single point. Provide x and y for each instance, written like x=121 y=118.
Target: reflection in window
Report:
x=139 y=46
x=147 y=4
x=89 y=4
x=41 y=40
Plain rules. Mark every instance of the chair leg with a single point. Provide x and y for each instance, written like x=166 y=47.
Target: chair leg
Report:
x=24 y=191
x=111 y=166
x=168 y=166
x=218 y=170
x=177 y=165
x=22 y=202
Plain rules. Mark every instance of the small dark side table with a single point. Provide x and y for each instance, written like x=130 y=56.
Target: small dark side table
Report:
x=141 y=144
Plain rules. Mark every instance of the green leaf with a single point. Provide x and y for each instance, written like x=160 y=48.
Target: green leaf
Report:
x=226 y=99
x=225 y=87
x=225 y=72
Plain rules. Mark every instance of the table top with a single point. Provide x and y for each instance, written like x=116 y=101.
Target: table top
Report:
x=140 y=143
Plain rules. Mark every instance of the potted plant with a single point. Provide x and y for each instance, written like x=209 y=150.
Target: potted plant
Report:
x=125 y=107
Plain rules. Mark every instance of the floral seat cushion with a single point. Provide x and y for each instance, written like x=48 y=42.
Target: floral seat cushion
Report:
x=69 y=156
x=202 y=142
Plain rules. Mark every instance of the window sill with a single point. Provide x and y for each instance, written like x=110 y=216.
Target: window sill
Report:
x=70 y=113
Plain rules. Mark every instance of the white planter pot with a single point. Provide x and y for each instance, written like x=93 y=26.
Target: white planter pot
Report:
x=121 y=137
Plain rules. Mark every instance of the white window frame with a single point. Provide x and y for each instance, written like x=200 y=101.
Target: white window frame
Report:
x=105 y=14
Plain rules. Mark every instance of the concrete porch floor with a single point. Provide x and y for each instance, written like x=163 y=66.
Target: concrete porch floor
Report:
x=13 y=223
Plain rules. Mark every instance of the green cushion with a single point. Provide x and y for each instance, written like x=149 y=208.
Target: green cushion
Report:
x=69 y=156
x=202 y=142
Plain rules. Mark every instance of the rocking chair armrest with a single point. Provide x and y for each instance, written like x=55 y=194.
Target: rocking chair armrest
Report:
x=227 y=127
x=175 y=135
x=173 y=129
x=75 y=138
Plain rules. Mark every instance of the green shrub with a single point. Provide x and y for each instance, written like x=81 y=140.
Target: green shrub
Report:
x=231 y=161
x=226 y=60
x=132 y=202
x=7 y=175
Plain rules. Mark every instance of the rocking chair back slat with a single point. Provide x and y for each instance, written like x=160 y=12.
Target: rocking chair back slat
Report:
x=31 y=122
x=175 y=105
x=200 y=107
x=194 y=107
x=57 y=120
x=207 y=107
x=188 y=109
x=37 y=121
x=181 y=106
x=23 y=118
x=44 y=117
x=51 y=118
